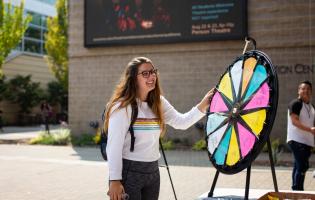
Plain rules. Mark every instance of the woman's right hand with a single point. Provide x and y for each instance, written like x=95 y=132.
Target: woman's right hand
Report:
x=116 y=189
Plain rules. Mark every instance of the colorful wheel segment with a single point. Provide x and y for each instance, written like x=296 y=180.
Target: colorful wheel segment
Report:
x=241 y=112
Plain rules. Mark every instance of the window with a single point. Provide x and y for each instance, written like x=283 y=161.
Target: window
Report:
x=36 y=18
x=32 y=46
x=44 y=21
x=33 y=32
x=34 y=37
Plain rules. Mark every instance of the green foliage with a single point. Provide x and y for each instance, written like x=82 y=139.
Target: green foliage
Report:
x=3 y=87
x=275 y=148
x=57 y=43
x=23 y=91
x=13 y=24
x=97 y=137
x=274 y=145
x=200 y=145
x=56 y=94
x=167 y=144
x=64 y=137
x=83 y=140
x=61 y=137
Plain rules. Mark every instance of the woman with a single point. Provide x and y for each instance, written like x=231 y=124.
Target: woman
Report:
x=136 y=172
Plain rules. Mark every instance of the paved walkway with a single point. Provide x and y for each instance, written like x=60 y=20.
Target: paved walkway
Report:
x=72 y=173
x=16 y=133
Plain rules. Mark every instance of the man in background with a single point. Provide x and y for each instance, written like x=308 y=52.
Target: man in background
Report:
x=301 y=131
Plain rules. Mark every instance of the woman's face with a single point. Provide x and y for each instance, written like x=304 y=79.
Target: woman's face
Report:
x=146 y=79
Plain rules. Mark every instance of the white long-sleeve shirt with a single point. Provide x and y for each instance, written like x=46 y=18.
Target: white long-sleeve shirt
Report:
x=146 y=130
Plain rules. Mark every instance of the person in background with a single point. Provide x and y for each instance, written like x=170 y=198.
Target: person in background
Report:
x=301 y=131
x=46 y=114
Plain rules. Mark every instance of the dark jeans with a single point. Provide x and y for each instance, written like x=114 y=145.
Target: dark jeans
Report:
x=46 y=122
x=141 y=180
x=301 y=153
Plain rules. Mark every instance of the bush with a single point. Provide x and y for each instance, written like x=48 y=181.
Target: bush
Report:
x=275 y=144
x=97 y=137
x=167 y=144
x=276 y=149
x=83 y=140
x=57 y=94
x=200 y=145
x=61 y=137
x=3 y=87
x=23 y=91
x=64 y=137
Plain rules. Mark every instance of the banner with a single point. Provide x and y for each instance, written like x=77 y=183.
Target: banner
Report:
x=125 y=22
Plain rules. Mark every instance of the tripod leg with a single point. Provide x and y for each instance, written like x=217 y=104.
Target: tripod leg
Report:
x=273 y=171
x=210 y=194
x=247 y=182
x=168 y=171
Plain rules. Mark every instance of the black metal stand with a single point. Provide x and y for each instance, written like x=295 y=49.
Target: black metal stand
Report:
x=168 y=170
x=210 y=194
x=247 y=181
x=272 y=165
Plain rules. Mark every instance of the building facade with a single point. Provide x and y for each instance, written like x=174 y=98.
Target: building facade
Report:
x=283 y=30
x=28 y=57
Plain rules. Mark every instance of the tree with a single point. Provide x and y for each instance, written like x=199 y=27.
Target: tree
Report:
x=13 y=24
x=3 y=87
x=23 y=91
x=57 y=43
x=57 y=94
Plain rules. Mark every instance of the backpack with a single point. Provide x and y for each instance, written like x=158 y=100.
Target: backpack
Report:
x=104 y=138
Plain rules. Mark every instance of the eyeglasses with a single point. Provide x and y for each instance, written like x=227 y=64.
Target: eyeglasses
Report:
x=146 y=74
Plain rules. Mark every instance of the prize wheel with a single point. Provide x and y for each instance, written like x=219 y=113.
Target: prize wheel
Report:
x=241 y=112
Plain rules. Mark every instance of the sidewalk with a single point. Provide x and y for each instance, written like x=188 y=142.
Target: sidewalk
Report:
x=71 y=173
x=75 y=173
x=14 y=135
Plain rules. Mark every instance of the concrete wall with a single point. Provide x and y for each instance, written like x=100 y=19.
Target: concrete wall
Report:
x=25 y=64
x=285 y=30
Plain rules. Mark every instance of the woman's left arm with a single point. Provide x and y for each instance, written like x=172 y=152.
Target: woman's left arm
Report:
x=185 y=120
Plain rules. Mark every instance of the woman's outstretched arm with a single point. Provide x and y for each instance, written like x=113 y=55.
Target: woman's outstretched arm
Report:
x=184 y=120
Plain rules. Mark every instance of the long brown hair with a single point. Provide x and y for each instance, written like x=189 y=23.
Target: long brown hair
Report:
x=126 y=92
